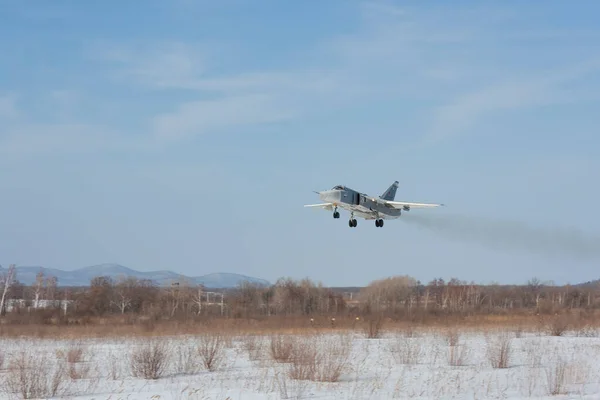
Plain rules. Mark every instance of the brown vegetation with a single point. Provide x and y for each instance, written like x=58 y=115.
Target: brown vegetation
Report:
x=499 y=350
x=135 y=307
x=34 y=375
x=319 y=358
x=149 y=359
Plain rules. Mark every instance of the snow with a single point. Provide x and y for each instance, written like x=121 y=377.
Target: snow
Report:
x=397 y=365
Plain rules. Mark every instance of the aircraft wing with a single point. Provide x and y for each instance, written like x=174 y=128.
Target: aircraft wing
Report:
x=406 y=204
x=327 y=206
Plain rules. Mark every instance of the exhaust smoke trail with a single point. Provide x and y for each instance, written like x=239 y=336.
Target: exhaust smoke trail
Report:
x=512 y=235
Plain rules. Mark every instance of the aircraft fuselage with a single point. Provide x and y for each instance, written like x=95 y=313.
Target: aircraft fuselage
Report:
x=360 y=204
x=365 y=206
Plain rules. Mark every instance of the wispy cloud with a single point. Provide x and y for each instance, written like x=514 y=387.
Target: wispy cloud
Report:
x=158 y=65
x=436 y=57
x=466 y=110
x=380 y=60
x=213 y=115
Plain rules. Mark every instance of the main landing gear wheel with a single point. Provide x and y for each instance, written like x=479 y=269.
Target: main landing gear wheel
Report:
x=352 y=223
x=379 y=223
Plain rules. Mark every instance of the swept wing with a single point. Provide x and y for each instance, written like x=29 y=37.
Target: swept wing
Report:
x=407 y=204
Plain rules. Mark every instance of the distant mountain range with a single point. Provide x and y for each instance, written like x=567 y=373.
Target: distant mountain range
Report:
x=83 y=276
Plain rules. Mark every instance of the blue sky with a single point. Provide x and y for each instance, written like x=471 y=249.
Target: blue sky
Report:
x=187 y=135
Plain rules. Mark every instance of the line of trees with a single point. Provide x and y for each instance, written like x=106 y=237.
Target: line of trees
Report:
x=396 y=297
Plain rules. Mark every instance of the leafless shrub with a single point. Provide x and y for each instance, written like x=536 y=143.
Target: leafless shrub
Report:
x=406 y=350
x=320 y=359
x=531 y=381
x=408 y=331
x=186 y=359
x=74 y=356
x=282 y=347
x=293 y=389
x=587 y=331
x=559 y=325
x=114 y=365
x=534 y=351
x=149 y=359
x=452 y=337
x=373 y=327
x=499 y=350
x=304 y=359
x=457 y=355
x=519 y=331
x=78 y=370
x=35 y=376
x=211 y=350
x=253 y=346
x=556 y=378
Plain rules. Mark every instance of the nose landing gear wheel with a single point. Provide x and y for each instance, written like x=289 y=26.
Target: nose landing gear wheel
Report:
x=352 y=223
x=379 y=223
x=336 y=214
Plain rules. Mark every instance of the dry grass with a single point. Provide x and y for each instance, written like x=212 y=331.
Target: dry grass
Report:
x=211 y=350
x=587 y=330
x=373 y=327
x=458 y=355
x=150 y=359
x=186 y=360
x=319 y=358
x=254 y=346
x=74 y=357
x=556 y=378
x=559 y=325
x=534 y=351
x=499 y=350
x=34 y=375
x=406 y=350
x=282 y=347
x=132 y=326
x=452 y=336
x=114 y=371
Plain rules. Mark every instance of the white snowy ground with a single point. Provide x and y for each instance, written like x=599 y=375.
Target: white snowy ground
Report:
x=422 y=366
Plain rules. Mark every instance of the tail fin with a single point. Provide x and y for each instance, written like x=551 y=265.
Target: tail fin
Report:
x=390 y=193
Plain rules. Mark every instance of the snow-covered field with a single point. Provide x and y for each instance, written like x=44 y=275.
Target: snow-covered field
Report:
x=428 y=364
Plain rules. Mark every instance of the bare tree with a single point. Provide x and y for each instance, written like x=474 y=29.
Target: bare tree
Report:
x=197 y=298
x=124 y=289
x=51 y=285
x=7 y=279
x=37 y=288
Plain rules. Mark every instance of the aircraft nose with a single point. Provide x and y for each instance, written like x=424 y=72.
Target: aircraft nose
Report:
x=330 y=196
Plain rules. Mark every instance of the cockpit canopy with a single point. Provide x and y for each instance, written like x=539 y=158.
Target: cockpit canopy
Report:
x=338 y=187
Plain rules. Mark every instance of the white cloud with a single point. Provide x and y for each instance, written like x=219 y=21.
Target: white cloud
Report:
x=201 y=116
x=160 y=65
x=543 y=88
x=433 y=56
x=379 y=60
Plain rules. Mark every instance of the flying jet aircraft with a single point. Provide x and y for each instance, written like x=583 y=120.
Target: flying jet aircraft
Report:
x=365 y=206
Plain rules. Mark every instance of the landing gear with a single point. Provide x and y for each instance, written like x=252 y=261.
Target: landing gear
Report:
x=379 y=223
x=352 y=222
x=336 y=213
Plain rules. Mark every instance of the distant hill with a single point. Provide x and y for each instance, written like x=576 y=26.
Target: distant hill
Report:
x=83 y=276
